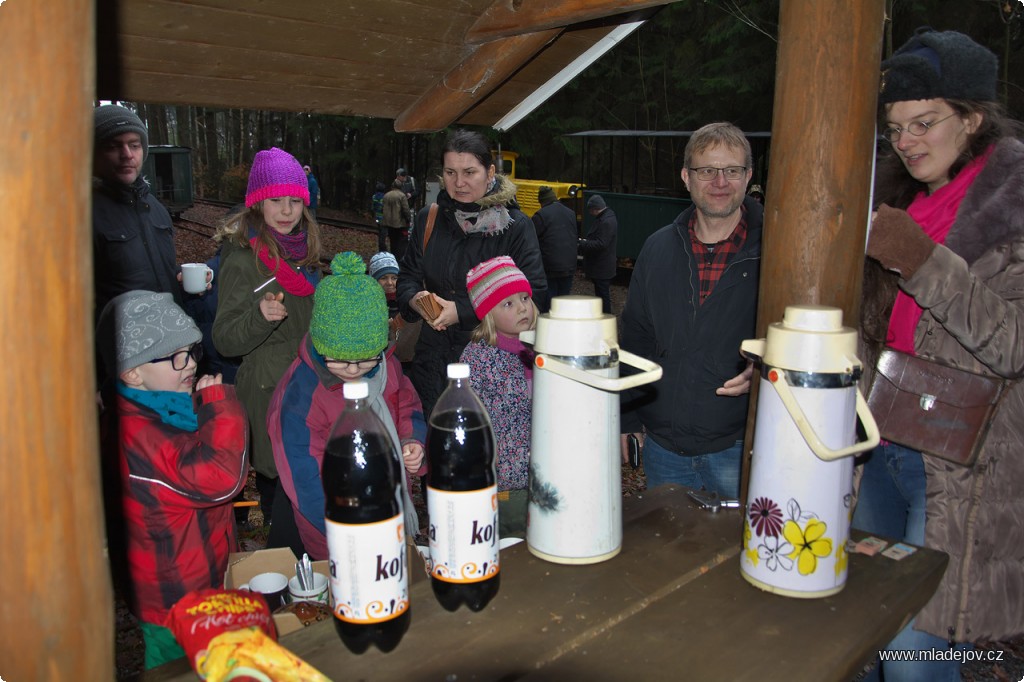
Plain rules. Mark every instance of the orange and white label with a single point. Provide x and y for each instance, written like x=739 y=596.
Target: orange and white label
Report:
x=463 y=534
x=369 y=576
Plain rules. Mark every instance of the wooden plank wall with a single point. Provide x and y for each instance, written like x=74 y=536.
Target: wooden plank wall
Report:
x=55 y=597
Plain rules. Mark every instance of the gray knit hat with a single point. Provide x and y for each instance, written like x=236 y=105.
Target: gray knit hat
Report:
x=138 y=326
x=939 y=64
x=596 y=201
x=111 y=120
x=546 y=195
x=383 y=263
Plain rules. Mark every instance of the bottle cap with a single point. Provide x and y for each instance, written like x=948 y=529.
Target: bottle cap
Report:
x=458 y=370
x=355 y=390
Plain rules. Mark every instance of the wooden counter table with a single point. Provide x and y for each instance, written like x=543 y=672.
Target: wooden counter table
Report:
x=671 y=606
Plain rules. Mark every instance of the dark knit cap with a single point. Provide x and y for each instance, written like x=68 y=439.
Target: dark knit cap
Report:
x=545 y=195
x=596 y=201
x=939 y=64
x=111 y=120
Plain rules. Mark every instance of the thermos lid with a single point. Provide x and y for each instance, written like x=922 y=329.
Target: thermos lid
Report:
x=575 y=326
x=812 y=338
x=458 y=370
x=355 y=390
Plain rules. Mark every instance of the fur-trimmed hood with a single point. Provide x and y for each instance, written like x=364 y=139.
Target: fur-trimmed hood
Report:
x=990 y=214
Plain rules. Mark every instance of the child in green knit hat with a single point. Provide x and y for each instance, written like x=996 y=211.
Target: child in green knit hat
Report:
x=347 y=340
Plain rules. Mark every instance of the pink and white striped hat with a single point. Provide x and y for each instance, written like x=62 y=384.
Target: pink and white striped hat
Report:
x=493 y=281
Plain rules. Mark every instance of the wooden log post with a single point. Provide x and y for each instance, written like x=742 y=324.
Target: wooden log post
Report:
x=819 y=179
x=56 y=602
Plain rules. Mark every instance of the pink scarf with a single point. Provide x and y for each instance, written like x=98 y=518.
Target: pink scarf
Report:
x=519 y=349
x=289 y=278
x=935 y=213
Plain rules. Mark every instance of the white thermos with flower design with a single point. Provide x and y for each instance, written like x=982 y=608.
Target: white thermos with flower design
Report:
x=801 y=476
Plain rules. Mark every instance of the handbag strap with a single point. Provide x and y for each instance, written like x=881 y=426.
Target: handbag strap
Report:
x=431 y=216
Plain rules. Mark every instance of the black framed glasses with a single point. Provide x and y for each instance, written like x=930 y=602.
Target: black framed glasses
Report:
x=915 y=128
x=709 y=173
x=179 y=360
x=366 y=364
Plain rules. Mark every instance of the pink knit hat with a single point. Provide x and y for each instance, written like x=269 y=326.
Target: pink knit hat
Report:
x=493 y=281
x=275 y=173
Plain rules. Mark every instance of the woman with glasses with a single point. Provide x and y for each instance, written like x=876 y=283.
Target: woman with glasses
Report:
x=945 y=282
x=347 y=340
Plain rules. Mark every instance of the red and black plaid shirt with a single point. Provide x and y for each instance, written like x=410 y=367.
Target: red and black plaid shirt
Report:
x=712 y=259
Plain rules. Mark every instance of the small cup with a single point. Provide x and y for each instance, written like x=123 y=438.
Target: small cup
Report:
x=193 y=277
x=273 y=587
x=317 y=594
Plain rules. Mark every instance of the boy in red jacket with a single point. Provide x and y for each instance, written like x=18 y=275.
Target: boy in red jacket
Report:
x=183 y=456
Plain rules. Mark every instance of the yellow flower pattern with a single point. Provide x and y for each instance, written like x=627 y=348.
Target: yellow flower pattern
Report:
x=750 y=552
x=808 y=543
x=842 y=558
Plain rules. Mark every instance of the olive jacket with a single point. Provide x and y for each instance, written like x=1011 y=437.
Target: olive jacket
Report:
x=267 y=348
x=972 y=293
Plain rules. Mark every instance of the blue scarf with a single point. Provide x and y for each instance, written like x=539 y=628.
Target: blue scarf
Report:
x=175 y=409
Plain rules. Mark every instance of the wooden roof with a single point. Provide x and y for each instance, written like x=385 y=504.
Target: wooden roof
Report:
x=424 y=63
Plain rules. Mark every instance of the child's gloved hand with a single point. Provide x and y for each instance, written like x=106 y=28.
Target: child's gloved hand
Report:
x=412 y=457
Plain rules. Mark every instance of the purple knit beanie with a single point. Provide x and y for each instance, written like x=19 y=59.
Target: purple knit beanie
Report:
x=276 y=173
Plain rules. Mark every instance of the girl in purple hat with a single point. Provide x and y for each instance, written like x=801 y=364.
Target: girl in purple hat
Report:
x=269 y=270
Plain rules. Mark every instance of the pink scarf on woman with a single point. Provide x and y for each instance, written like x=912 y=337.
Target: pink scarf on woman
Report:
x=935 y=213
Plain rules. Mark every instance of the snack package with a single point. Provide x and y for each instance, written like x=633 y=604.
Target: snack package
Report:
x=429 y=306
x=229 y=634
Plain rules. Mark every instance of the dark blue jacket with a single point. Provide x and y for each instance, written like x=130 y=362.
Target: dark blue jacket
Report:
x=697 y=346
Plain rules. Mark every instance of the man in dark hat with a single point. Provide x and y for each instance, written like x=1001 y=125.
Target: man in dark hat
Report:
x=692 y=300
x=133 y=236
x=599 y=250
x=557 y=233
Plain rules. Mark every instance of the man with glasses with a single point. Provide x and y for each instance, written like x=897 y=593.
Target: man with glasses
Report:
x=691 y=301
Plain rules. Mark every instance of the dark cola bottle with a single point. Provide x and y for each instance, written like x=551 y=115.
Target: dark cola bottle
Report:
x=365 y=528
x=462 y=497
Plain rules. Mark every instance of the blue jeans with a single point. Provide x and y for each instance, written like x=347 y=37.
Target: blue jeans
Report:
x=892 y=504
x=602 y=289
x=714 y=471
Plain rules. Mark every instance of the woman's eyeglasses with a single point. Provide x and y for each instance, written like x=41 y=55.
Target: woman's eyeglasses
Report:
x=179 y=360
x=915 y=128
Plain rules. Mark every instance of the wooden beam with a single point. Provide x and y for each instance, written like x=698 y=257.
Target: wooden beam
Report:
x=823 y=141
x=484 y=68
x=514 y=17
x=56 y=601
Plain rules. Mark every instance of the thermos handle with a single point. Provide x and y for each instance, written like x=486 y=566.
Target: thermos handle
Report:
x=650 y=372
x=778 y=380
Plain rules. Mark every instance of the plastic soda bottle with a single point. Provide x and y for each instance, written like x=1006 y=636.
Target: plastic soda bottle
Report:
x=462 y=497
x=365 y=528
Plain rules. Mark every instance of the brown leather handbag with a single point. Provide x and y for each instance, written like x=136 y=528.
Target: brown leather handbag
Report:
x=939 y=410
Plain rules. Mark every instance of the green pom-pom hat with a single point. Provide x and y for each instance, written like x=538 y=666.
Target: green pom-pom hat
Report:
x=350 y=312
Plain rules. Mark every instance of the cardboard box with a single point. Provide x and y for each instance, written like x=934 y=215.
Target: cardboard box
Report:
x=242 y=566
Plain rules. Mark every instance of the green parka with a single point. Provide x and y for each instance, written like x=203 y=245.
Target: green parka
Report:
x=266 y=348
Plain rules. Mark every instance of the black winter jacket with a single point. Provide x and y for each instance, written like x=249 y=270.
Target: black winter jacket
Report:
x=697 y=346
x=558 y=236
x=600 y=246
x=132 y=242
x=450 y=254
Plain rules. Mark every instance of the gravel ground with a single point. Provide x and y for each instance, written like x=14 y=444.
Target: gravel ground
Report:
x=194 y=248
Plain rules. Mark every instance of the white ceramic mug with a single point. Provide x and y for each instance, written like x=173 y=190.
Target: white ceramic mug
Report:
x=317 y=594
x=273 y=587
x=193 y=277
